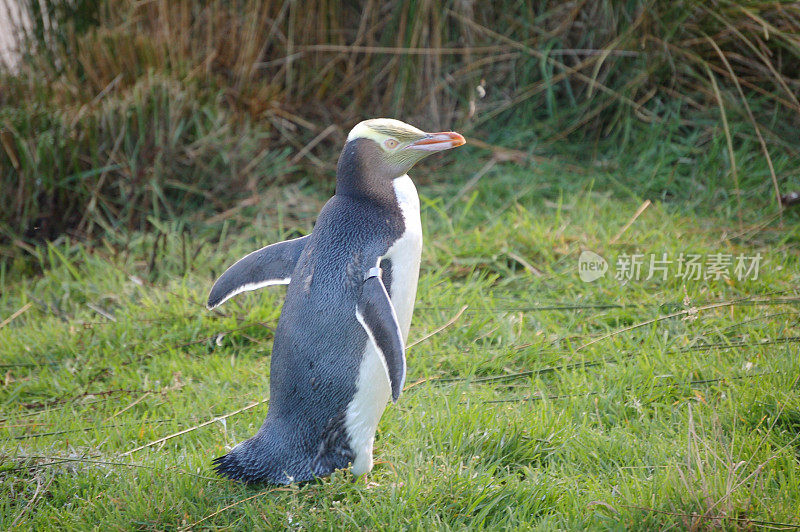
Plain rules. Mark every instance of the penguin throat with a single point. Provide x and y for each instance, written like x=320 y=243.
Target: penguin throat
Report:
x=363 y=173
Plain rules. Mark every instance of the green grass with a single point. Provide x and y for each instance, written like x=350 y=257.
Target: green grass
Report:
x=549 y=403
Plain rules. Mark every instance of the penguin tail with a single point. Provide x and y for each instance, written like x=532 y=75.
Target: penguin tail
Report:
x=248 y=468
x=257 y=461
x=229 y=466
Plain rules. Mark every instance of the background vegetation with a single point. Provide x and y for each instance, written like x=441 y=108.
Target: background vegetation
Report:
x=146 y=145
x=127 y=110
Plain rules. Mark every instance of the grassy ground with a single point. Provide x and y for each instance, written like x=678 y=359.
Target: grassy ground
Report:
x=547 y=402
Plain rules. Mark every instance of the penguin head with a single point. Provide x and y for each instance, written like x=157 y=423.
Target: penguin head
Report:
x=388 y=148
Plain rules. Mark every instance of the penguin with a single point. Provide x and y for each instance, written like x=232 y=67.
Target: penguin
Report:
x=338 y=353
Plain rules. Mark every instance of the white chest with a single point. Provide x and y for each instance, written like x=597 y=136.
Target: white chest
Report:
x=372 y=387
x=405 y=254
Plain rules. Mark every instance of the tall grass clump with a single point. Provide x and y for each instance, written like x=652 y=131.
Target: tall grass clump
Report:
x=577 y=78
x=155 y=151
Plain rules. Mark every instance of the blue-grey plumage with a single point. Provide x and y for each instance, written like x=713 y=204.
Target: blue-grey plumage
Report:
x=338 y=355
x=375 y=312
x=267 y=266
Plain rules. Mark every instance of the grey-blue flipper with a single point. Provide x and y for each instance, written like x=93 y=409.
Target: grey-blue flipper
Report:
x=376 y=314
x=267 y=266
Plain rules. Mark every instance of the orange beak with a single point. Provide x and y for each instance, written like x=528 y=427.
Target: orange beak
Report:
x=438 y=141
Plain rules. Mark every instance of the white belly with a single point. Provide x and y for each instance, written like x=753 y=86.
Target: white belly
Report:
x=373 y=389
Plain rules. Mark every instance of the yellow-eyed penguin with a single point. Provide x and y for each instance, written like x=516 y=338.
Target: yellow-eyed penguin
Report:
x=339 y=350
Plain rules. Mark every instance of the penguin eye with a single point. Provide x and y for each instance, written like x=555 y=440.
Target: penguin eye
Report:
x=390 y=143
